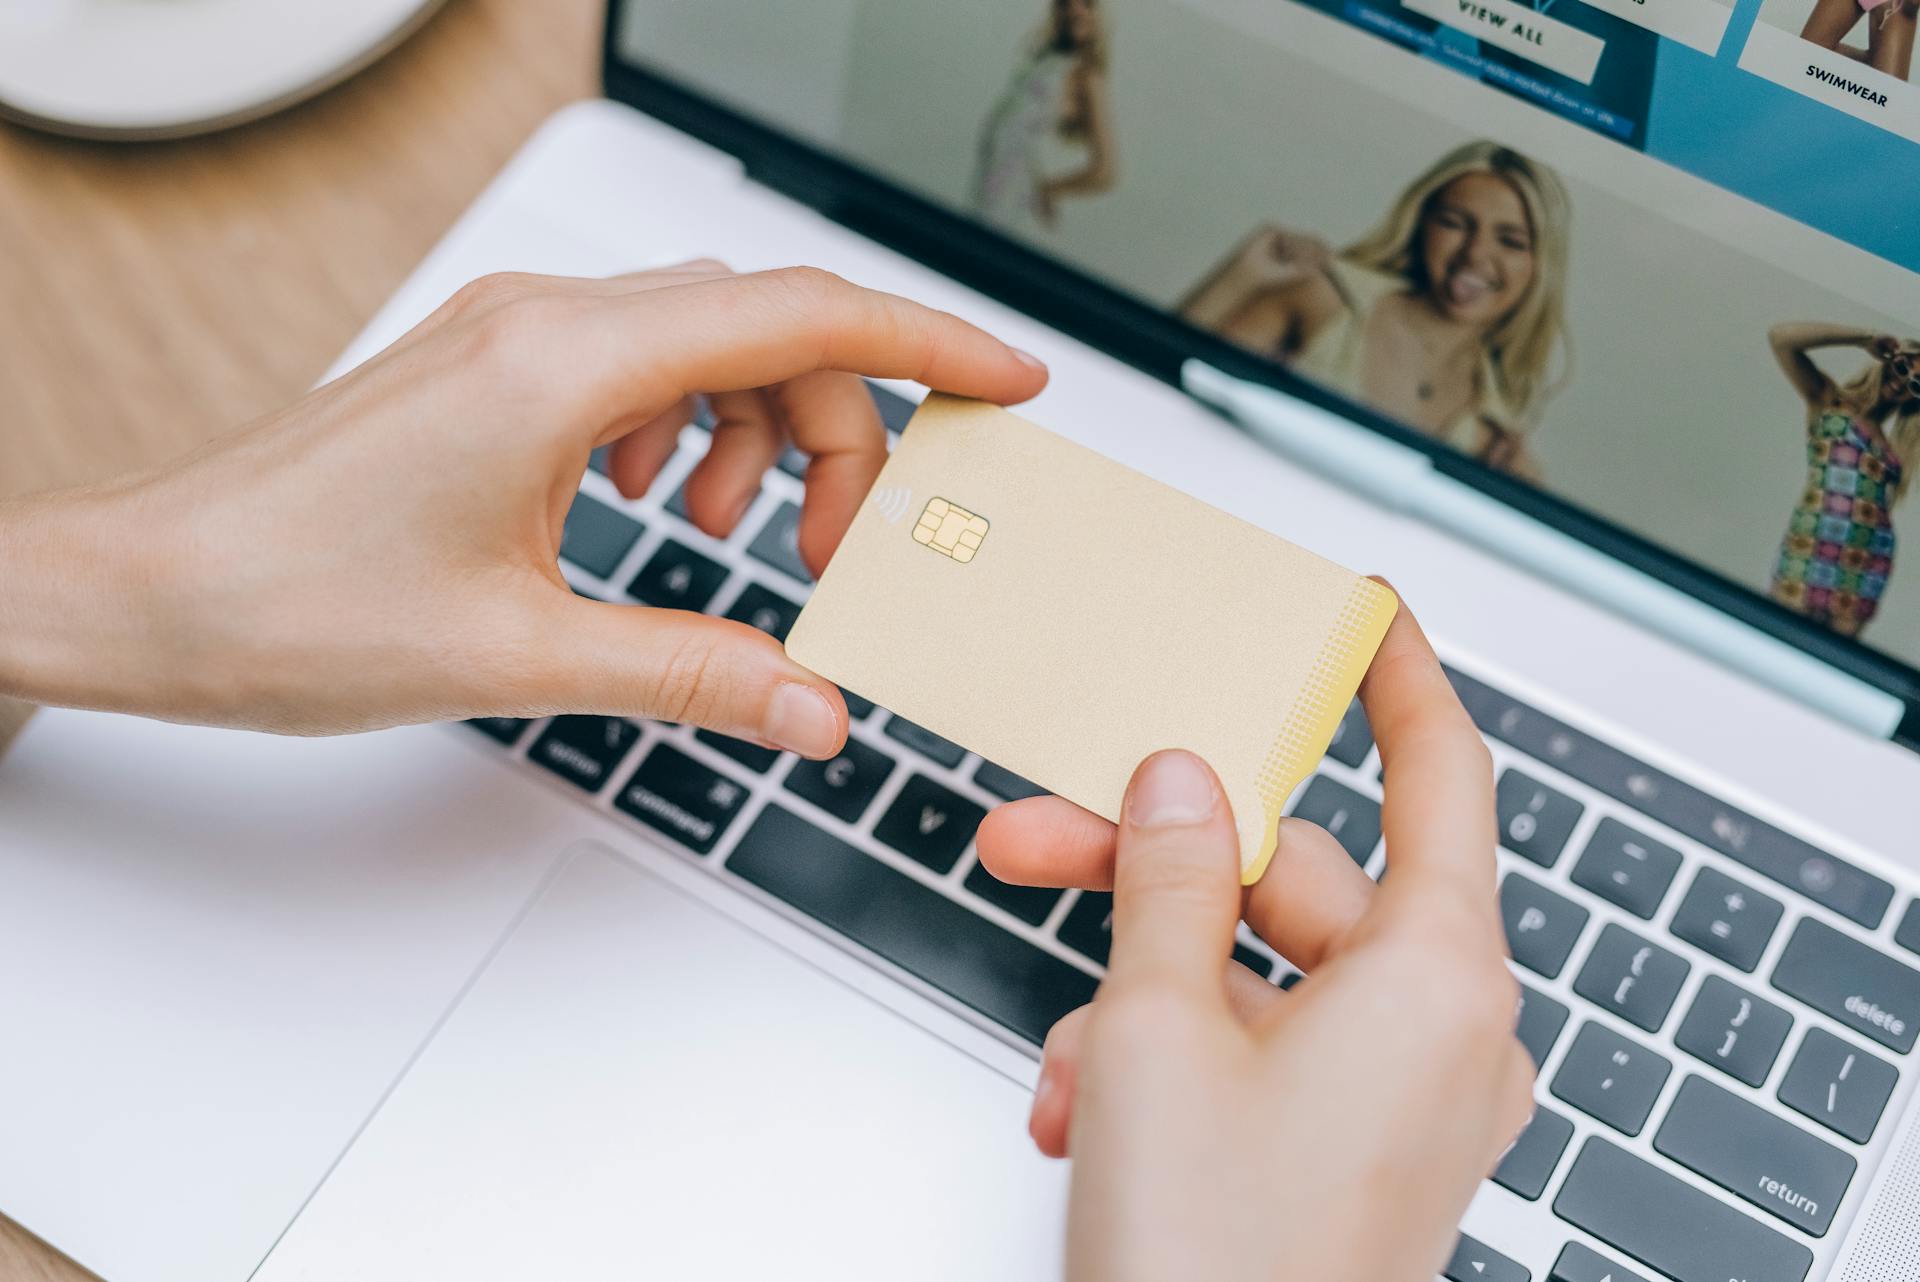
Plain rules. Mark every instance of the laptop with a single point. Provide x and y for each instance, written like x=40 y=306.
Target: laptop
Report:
x=1565 y=316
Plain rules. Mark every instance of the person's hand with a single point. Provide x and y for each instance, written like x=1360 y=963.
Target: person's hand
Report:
x=384 y=550
x=1221 y=1128
x=1272 y=257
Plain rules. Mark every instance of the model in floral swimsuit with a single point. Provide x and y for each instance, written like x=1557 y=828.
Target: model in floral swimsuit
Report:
x=1837 y=555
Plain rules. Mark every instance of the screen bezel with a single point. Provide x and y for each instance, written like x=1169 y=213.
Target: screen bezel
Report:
x=1134 y=331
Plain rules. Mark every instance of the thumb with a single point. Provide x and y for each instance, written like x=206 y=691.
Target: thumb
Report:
x=674 y=665
x=1176 y=879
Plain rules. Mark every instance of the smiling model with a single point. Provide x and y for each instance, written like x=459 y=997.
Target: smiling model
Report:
x=1448 y=315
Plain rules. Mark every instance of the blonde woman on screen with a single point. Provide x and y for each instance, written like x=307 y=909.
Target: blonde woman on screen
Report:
x=1447 y=316
x=1863 y=444
x=1049 y=135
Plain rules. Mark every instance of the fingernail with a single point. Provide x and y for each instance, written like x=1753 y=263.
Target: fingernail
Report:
x=1508 y=1150
x=1174 y=790
x=1030 y=360
x=1042 y=1092
x=800 y=719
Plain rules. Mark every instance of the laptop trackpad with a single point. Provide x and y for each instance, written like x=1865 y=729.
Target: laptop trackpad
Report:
x=639 y=1086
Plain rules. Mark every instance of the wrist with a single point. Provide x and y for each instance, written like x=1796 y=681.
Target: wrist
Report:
x=77 y=610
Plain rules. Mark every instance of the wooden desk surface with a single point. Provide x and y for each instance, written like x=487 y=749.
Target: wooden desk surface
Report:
x=160 y=293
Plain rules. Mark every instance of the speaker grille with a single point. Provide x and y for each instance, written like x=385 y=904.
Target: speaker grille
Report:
x=1886 y=1238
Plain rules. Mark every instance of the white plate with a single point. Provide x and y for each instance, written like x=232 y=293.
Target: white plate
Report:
x=164 y=68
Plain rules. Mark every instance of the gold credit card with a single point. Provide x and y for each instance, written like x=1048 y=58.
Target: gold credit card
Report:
x=1065 y=616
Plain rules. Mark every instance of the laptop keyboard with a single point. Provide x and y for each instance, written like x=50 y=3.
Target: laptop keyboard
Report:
x=1721 y=1011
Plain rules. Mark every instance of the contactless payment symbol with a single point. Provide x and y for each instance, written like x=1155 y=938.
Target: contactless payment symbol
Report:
x=950 y=530
x=893 y=502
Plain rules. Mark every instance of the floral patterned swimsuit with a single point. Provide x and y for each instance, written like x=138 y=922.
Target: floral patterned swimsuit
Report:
x=1838 y=551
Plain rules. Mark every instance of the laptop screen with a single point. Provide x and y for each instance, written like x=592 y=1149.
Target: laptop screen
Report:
x=1658 y=258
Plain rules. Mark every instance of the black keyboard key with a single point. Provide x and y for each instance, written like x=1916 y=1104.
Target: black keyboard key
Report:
x=595 y=537
x=676 y=577
x=1529 y=1164
x=1851 y=982
x=1353 y=819
x=1088 y=926
x=505 y=729
x=929 y=824
x=1352 y=738
x=1538 y=1027
x=1767 y=850
x=843 y=785
x=1005 y=784
x=1542 y=926
x=925 y=742
x=1535 y=820
x=1578 y=1263
x=1474 y=1261
x=1006 y=979
x=1669 y=1225
x=1731 y=1029
x=677 y=504
x=778 y=543
x=751 y=755
x=765 y=609
x=894 y=408
x=1907 y=935
x=1610 y=1078
x=1631 y=977
x=1030 y=904
x=1626 y=868
x=601 y=459
x=676 y=795
x=1755 y=1155
x=1726 y=919
x=1258 y=963
x=584 y=750
x=857 y=708
x=1838 y=1085
x=794 y=463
